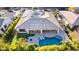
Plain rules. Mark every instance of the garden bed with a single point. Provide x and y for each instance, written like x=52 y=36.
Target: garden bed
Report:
x=24 y=35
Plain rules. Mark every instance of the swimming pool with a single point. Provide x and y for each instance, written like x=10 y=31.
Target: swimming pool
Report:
x=56 y=40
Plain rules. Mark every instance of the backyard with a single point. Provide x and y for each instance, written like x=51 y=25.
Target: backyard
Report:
x=21 y=44
x=12 y=40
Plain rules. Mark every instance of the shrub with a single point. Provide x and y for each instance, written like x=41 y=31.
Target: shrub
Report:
x=2 y=41
x=62 y=47
x=31 y=47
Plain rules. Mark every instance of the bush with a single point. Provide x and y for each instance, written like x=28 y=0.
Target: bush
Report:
x=2 y=43
x=30 y=47
x=62 y=48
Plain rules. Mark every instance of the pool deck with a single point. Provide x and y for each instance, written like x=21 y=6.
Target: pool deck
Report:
x=35 y=39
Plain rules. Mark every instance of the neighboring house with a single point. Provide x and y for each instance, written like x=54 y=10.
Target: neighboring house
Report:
x=71 y=18
x=2 y=12
x=16 y=9
x=5 y=21
x=1 y=21
x=39 y=23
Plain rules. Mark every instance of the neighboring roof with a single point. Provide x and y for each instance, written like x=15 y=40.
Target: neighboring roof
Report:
x=36 y=21
x=1 y=21
x=9 y=14
x=3 y=12
x=70 y=16
x=4 y=21
x=6 y=18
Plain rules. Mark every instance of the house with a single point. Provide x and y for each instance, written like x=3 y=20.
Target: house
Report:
x=4 y=25
x=39 y=22
x=5 y=20
x=2 y=12
x=70 y=18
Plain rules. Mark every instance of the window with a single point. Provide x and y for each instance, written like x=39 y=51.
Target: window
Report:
x=2 y=29
x=5 y=26
x=61 y=16
x=22 y=30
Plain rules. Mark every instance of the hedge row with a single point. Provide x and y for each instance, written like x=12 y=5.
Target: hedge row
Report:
x=9 y=30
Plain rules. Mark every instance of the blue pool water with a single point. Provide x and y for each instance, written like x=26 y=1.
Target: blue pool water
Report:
x=56 y=40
